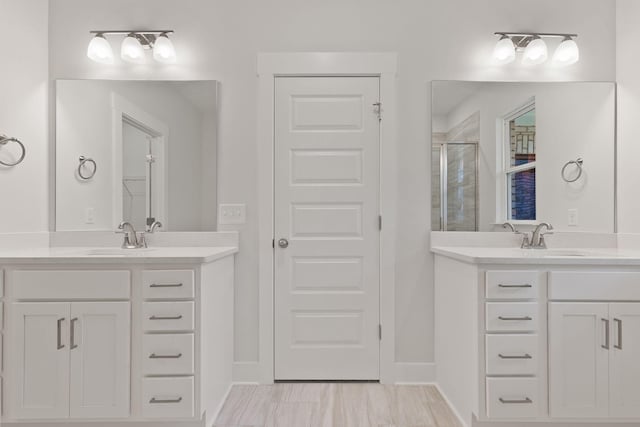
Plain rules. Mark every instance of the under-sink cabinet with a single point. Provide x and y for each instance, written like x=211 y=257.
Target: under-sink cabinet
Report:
x=544 y=343
x=113 y=343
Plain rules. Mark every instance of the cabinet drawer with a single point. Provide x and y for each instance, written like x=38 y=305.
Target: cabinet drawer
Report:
x=168 y=316
x=512 y=354
x=70 y=285
x=168 y=284
x=512 y=316
x=511 y=284
x=167 y=398
x=512 y=397
x=168 y=354
x=594 y=286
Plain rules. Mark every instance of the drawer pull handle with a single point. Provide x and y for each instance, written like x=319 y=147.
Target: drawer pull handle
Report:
x=165 y=285
x=73 y=333
x=178 y=317
x=156 y=400
x=619 y=345
x=515 y=318
x=59 y=341
x=524 y=356
x=508 y=401
x=165 y=356
x=606 y=334
x=526 y=285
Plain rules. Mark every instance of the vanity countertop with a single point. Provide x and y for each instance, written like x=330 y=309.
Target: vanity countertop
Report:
x=107 y=255
x=564 y=256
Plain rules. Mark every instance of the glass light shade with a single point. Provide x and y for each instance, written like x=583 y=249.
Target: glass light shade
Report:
x=567 y=53
x=536 y=52
x=131 y=49
x=163 y=50
x=99 y=50
x=505 y=51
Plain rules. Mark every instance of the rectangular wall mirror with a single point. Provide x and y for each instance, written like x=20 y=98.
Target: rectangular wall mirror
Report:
x=136 y=151
x=523 y=153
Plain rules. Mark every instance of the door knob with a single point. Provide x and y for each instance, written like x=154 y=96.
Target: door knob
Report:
x=283 y=243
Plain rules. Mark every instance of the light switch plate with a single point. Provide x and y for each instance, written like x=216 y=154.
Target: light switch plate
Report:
x=232 y=214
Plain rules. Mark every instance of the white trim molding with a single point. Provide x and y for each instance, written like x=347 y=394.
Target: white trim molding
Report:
x=270 y=66
x=415 y=373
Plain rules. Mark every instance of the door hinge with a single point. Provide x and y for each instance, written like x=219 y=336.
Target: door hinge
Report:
x=379 y=222
x=380 y=332
x=378 y=109
x=273 y=243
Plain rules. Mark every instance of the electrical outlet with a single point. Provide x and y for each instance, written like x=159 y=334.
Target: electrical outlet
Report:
x=572 y=217
x=89 y=216
x=232 y=214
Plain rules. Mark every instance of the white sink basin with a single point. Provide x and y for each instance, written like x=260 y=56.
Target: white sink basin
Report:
x=118 y=252
x=562 y=253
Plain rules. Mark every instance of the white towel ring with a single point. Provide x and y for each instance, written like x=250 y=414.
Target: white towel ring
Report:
x=4 y=140
x=83 y=161
x=578 y=164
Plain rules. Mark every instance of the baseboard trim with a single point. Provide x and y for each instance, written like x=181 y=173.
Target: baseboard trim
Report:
x=453 y=408
x=246 y=372
x=414 y=373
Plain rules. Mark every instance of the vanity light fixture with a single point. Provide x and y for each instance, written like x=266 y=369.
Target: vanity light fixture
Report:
x=534 y=48
x=100 y=50
x=133 y=46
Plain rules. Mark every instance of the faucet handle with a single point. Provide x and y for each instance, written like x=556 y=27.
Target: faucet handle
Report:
x=142 y=240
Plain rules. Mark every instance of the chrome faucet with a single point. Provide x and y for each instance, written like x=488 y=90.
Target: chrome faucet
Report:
x=131 y=238
x=525 y=236
x=155 y=224
x=537 y=238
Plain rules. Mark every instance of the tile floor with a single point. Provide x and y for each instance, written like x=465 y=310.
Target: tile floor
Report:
x=335 y=405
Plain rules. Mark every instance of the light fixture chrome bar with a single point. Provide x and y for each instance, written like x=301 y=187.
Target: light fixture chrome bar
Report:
x=126 y=32
x=556 y=35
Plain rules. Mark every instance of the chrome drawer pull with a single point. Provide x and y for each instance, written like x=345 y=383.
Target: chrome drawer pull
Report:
x=525 y=356
x=73 y=333
x=156 y=400
x=515 y=318
x=606 y=334
x=619 y=345
x=60 y=345
x=154 y=317
x=508 y=401
x=165 y=285
x=165 y=356
x=526 y=285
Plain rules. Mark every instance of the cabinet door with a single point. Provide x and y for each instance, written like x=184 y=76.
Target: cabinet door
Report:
x=624 y=371
x=38 y=365
x=579 y=338
x=100 y=359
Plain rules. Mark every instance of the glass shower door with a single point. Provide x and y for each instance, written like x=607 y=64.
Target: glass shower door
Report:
x=455 y=167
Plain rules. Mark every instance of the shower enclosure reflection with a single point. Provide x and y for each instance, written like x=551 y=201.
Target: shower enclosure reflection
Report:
x=455 y=177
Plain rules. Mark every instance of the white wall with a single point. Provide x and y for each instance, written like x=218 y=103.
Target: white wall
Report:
x=572 y=120
x=23 y=113
x=84 y=127
x=628 y=77
x=443 y=39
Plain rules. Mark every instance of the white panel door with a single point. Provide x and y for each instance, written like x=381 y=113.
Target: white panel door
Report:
x=579 y=343
x=327 y=167
x=99 y=345
x=38 y=370
x=624 y=381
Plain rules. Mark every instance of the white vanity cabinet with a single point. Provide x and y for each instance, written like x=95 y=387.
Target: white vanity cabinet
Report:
x=555 y=342
x=594 y=345
x=115 y=342
x=71 y=360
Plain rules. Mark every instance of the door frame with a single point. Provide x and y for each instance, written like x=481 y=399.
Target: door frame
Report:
x=326 y=64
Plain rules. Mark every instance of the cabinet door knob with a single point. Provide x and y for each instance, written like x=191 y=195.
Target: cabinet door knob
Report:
x=606 y=334
x=619 y=344
x=156 y=400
